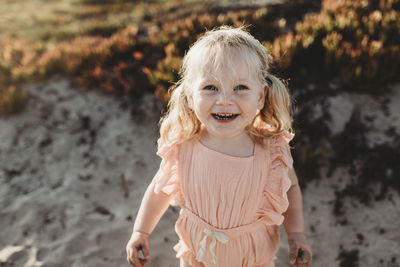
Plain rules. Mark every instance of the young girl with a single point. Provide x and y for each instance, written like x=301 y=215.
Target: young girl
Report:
x=225 y=161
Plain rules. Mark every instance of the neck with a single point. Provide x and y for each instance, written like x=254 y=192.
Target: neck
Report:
x=235 y=140
x=241 y=145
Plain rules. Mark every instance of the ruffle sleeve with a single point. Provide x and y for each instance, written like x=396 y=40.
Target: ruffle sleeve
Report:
x=167 y=177
x=275 y=200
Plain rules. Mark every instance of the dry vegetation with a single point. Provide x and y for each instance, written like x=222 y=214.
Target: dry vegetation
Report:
x=116 y=46
x=69 y=37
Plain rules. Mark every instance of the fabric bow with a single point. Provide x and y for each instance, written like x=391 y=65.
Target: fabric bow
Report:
x=214 y=235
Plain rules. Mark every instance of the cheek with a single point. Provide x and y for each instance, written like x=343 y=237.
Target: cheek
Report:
x=204 y=100
x=247 y=100
x=244 y=96
x=202 y=107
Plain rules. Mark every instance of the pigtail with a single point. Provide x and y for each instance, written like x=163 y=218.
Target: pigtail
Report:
x=277 y=108
x=179 y=123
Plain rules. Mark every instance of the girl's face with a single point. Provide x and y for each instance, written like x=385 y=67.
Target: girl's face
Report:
x=226 y=101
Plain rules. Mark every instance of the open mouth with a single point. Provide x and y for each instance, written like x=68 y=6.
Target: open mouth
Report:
x=224 y=116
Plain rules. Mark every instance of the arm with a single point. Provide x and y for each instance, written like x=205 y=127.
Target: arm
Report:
x=300 y=251
x=294 y=220
x=151 y=209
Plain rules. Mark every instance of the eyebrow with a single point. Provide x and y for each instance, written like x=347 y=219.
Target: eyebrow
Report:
x=215 y=81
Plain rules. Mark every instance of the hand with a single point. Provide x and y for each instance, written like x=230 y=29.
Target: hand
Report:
x=300 y=251
x=138 y=242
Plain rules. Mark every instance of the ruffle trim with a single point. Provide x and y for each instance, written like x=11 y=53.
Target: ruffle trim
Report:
x=182 y=251
x=275 y=200
x=167 y=177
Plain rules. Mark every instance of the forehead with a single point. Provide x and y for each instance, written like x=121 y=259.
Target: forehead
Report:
x=233 y=64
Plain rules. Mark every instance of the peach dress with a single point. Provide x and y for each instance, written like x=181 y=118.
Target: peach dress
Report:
x=231 y=207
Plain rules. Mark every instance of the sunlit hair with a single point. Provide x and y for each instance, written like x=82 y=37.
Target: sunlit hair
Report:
x=214 y=50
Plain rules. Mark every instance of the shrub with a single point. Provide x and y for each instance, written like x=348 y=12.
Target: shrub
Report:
x=12 y=100
x=357 y=40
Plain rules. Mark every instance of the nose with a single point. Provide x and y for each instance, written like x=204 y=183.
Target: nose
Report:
x=224 y=98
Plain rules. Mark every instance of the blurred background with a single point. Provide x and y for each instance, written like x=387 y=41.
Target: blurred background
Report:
x=83 y=84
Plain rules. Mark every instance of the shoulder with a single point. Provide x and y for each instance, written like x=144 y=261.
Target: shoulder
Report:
x=165 y=147
x=284 y=137
x=280 y=139
x=279 y=149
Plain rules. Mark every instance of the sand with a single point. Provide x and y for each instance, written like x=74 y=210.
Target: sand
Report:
x=74 y=166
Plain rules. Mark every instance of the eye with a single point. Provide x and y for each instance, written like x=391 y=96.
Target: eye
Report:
x=241 y=87
x=210 y=87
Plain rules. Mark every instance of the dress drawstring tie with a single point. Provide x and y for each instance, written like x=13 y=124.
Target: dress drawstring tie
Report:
x=214 y=235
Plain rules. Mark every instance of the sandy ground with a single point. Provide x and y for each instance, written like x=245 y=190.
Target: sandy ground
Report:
x=75 y=164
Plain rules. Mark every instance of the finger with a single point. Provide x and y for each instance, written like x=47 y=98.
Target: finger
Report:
x=304 y=257
x=141 y=255
x=138 y=261
x=146 y=252
x=293 y=253
x=129 y=257
x=308 y=264
x=129 y=260
x=135 y=255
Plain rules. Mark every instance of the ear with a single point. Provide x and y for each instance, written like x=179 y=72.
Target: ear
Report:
x=261 y=98
x=190 y=101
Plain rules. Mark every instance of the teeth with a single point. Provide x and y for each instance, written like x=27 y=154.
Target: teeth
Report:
x=225 y=116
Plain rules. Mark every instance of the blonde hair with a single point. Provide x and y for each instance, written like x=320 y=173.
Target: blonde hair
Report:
x=180 y=123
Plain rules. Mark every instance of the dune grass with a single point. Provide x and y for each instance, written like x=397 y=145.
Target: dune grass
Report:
x=31 y=28
x=130 y=47
x=53 y=21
